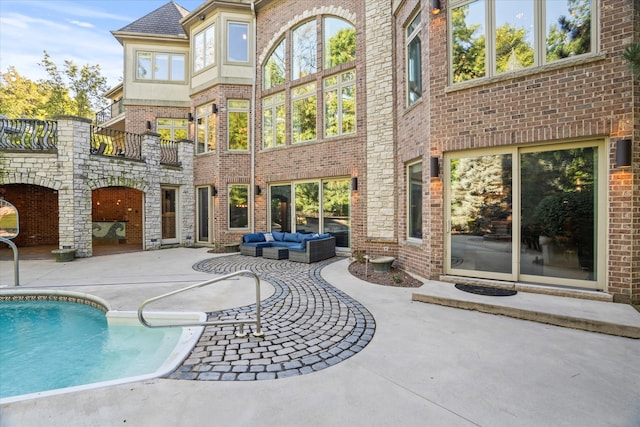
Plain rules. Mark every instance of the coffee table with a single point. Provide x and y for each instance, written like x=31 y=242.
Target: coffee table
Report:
x=275 y=252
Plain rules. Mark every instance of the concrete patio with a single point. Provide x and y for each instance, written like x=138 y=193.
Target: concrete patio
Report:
x=426 y=364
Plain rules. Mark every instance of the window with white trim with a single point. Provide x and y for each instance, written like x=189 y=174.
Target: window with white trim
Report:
x=238 y=124
x=340 y=104
x=304 y=112
x=491 y=37
x=414 y=61
x=172 y=129
x=160 y=66
x=205 y=135
x=237 y=42
x=274 y=126
x=204 y=52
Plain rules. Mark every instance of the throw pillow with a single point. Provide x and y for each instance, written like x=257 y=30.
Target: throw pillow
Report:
x=268 y=237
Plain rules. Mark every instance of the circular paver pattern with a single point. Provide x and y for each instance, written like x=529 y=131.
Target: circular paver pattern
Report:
x=308 y=325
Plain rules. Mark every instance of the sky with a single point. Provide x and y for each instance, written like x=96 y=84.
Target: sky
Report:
x=76 y=30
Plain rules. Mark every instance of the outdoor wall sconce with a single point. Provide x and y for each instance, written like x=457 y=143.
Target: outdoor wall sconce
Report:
x=623 y=153
x=214 y=190
x=435 y=7
x=258 y=190
x=354 y=183
x=214 y=108
x=434 y=168
x=148 y=125
x=190 y=117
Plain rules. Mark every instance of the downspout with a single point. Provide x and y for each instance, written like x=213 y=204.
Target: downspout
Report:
x=252 y=137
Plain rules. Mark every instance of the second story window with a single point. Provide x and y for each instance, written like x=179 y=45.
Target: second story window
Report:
x=304 y=113
x=204 y=52
x=273 y=121
x=414 y=61
x=305 y=47
x=160 y=66
x=339 y=42
x=340 y=104
x=238 y=116
x=274 y=70
x=490 y=37
x=205 y=136
x=237 y=42
x=172 y=129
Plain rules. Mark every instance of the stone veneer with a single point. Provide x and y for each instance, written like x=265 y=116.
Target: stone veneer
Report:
x=73 y=172
x=381 y=189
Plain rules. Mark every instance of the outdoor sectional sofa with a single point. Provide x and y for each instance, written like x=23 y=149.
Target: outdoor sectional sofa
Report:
x=302 y=247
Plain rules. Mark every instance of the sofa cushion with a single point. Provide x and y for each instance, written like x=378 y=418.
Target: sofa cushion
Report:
x=268 y=237
x=290 y=237
x=278 y=235
x=253 y=237
x=257 y=244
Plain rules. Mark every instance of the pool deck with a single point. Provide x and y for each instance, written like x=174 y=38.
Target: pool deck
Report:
x=338 y=351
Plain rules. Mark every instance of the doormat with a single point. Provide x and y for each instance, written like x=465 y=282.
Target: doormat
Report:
x=486 y=290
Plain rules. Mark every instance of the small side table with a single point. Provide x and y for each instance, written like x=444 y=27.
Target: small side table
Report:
x=275 y=252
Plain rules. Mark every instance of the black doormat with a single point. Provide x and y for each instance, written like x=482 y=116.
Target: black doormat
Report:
x=486 y=290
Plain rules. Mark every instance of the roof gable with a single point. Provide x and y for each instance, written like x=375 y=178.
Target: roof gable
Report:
x=165 y=21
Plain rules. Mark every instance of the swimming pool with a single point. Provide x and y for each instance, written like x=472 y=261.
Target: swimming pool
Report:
x=50 y=345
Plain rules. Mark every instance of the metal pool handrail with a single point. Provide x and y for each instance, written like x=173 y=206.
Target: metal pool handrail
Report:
x=241 y=322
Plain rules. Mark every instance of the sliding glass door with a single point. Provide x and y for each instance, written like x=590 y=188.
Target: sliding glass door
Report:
x=527 y=214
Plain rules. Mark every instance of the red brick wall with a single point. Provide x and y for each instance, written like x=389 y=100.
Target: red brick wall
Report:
x=138 y=115
x=37 y=213
x=335 y=157
x=581 y=100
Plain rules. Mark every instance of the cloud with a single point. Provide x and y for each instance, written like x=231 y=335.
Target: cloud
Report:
x=81 y=24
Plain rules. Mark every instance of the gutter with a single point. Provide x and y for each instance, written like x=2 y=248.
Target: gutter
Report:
x=252 y=138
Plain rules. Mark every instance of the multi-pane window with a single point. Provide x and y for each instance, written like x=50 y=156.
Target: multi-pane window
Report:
x=414 y=201
x=204 y=48
x=303 y=106
x=205 y=135
x=304 y=45
x=238 y=128
x=414 y=61
x=273 y=121
x=172 y=129
x=274 y=70
x=491 y=37
x=160 y=66
x=340 y=104
x=238 y=42
x=238 y=206
x=339 y=42
x=291 y=114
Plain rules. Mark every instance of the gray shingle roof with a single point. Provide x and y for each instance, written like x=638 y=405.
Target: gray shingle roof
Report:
x=165 y=20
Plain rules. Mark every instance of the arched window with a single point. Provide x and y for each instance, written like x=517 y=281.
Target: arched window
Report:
x=274 y=70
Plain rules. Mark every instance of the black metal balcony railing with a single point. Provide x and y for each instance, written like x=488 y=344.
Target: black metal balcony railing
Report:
x=111 y=142
x=110 y=112
x=28 y=134
x=169 y=152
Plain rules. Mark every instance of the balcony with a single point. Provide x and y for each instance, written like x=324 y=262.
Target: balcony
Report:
x=109 y=115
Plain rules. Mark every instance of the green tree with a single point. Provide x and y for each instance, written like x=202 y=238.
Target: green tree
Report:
x=632 y=55
x=512 y=49
x=571 y=35
x=75 y=90
x=469 y=47
x=342 y=47
x=21 y=97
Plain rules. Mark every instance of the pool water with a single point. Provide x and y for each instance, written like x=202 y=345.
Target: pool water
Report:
x=47 y=345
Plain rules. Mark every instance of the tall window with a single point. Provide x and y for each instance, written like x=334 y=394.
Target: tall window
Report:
x=304 y=45
x=304 y=113
x=273 y=121
x=204 y=207
x=238 y=206
x=160 y=66
x=238 y=116
x=205 y=129
x=339 y=42
x=414 y=61
x=238 y=42
x=491 y=37
x=291 y=108
x=204 y=48
x=340 y=104
x=414 y=201
x=172 y=129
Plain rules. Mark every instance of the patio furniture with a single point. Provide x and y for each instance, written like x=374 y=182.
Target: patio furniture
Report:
x=275 y=252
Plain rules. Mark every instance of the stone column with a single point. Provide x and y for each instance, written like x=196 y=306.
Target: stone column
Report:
x=74 y=196
x=152 y=194
x=187 y=192
x=380 y=175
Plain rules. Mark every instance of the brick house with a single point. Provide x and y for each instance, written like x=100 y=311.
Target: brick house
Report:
x=470 y=139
